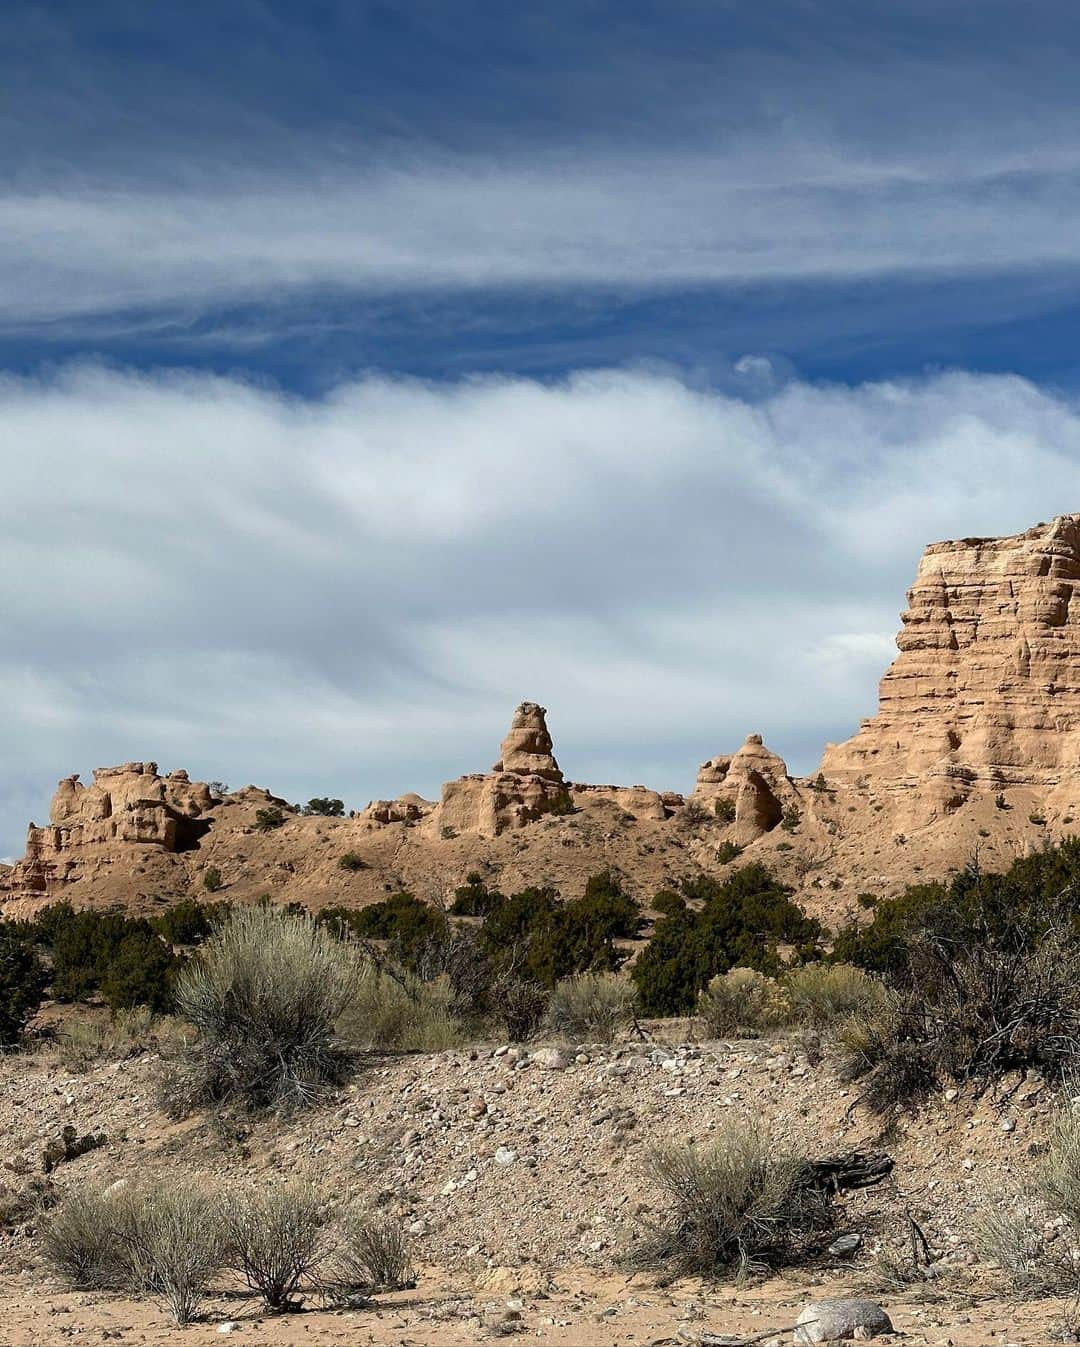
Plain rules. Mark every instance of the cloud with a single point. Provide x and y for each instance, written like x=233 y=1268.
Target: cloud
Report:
x=74 y=251
x=348 y=595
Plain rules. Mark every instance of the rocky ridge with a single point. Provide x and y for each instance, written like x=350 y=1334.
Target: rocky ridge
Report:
x=975 y=750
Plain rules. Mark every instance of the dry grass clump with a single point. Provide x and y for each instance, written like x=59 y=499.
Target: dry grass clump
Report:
x=593 y=1006
x=372 y=1253
x=83 y=1040
x=738 y=1205
x=399 y=1012
x=264 y=994
x=742 y=1001
x=1040 y=1256
x=275 y=1238
x=85 y=1239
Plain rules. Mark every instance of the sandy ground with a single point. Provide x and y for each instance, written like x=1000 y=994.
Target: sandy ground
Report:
x=531 y=1245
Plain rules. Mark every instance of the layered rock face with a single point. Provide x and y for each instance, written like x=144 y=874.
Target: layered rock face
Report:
x=524 y=785
x=126 y=805
x=985 y=693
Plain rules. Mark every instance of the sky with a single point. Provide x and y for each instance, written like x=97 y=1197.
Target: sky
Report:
x=367 y=368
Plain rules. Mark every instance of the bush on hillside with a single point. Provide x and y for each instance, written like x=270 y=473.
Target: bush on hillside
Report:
x=559 y=938
x=591 y=1006
x=968 y=1016
x=395 y=1011
x=736 y=1205
x=474 y=898
x=266 y=820
x=122 y=957
x=820 y=994
x=264 y=993
x=187 y=922
x=740 y=923
x=742 y=1001
x=23 y=979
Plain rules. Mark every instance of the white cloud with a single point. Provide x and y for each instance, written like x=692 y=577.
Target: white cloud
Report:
x=348 y=595
x=775 y=208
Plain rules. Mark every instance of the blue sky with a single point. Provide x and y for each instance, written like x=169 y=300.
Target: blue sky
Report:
x=365 y=368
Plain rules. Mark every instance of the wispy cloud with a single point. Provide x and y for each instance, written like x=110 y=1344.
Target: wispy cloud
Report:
x=663 y=221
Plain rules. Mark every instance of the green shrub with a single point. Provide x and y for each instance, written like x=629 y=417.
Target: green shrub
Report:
x=212 y=880
x=820 y=994
x=669 y=904
x=740 y=923
x=187 y=922
x=408 y=922
x=559 y=939
x=322 y=807
x=591 y=1006
x=736 y=1205
x=728 y=851
x=141 y=972
x=724 y=809
x=122 y=957
x=351 y=861
x=274 y=1239
x=742 y=1000
x=266 y=820
x=264 y=993
x=474 y=898
x=23 y=978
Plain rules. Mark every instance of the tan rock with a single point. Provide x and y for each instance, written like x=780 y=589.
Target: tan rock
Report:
x=985 y=693
x=527 y=748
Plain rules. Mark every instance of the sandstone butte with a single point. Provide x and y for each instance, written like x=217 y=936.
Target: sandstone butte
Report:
x=974 y=752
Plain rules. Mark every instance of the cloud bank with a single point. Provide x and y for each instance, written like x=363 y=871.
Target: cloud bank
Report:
x=348 y=595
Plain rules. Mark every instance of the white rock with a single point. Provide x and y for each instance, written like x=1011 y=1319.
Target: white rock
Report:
x=841 y=1321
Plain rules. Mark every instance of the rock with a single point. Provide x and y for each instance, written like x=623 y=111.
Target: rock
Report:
x=846 y=1245
x=981 y=698
x=841 y=1321
x=527 y=748
x=754 y=783
x=551 y=1059
x=505 y=1156
x=125 y=808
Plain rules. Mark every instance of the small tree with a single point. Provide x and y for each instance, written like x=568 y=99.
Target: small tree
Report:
x=212 y=880
x=325 y=807
x=22 y=984
x=266 y=820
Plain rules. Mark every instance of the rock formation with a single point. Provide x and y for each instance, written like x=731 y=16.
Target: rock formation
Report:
x=524 y=785
x=526 y=750
x=985 y=693
x=126 y=805
x=751 y=787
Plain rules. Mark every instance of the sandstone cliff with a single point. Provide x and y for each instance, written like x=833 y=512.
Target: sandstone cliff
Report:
x=985 y=693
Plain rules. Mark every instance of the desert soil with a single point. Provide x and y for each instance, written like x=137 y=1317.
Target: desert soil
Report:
x=522 y=1186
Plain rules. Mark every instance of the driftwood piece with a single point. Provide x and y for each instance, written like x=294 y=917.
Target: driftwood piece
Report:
x=842 y=1173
